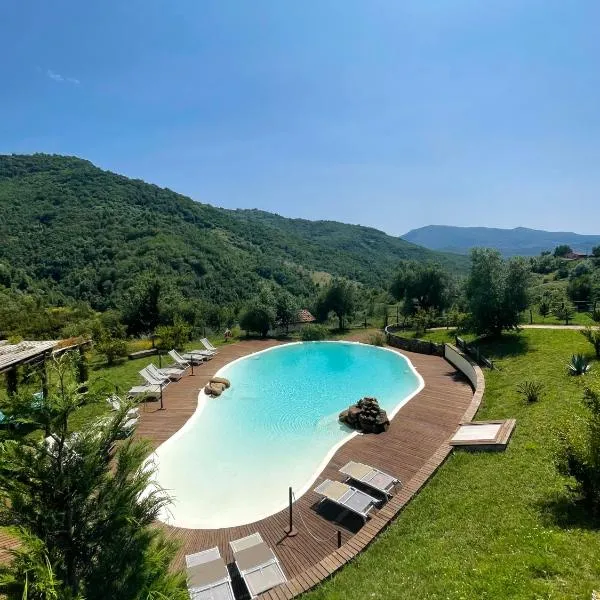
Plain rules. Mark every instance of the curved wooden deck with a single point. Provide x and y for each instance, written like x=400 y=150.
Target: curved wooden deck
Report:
x=412 y=449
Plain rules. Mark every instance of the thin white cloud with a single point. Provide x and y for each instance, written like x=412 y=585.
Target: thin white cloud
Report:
x=60 y=79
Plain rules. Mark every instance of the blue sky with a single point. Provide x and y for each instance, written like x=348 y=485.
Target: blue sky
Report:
x=394 y=114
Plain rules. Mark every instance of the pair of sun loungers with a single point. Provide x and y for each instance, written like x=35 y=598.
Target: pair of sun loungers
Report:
x=156 y=379
x=209 y=579
x=353 y=499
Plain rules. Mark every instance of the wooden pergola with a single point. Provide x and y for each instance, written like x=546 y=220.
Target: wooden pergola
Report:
x=34 y=353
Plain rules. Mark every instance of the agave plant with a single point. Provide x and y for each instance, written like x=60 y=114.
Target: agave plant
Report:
x=578 y=365
x=530 y=390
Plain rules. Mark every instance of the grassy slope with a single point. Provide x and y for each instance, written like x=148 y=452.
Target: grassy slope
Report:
x=492 y=525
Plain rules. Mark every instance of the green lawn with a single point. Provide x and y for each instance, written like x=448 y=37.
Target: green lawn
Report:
x=493 y=525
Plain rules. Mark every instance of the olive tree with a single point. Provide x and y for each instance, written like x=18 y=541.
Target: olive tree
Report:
x=496 y=291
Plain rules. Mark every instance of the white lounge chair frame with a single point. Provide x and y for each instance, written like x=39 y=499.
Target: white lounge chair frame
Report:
x=269 y=561
x=188 y=358
x=370 y=477
x=152 y=379
x=172 y=373
x=205 y=590
x=209 y=346
x=348 y=495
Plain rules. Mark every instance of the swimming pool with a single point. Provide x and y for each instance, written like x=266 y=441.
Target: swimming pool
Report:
x=276 y=426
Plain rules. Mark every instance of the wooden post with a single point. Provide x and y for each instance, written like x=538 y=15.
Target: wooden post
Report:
x=44 y=377
x=339 y=538
x=290 y=530
x=530 y=317
x=161 y=398
x=11 y=381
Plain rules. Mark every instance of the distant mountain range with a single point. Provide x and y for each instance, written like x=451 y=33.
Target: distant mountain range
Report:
x=510 y=242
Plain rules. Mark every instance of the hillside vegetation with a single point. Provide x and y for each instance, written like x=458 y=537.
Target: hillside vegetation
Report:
x=73 y=231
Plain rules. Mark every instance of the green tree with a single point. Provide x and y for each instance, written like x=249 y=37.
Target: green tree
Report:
x=173 y=336
x=421 y=285
x=562 y=250
x=340 y=299
x=142 y=311
x=564 y=311
x=286 y=309
x=89 y=502
x=544 y=306
x=109 y=337
x=258 y=318
x=496 y=291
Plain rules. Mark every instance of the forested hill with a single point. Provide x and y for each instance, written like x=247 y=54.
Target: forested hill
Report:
x=71 y=230
x=510 y=242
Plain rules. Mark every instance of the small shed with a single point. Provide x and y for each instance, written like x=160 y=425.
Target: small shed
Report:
x=303 y=317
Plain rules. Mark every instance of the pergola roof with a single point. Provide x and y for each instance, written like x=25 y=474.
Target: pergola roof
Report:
x=12 y=355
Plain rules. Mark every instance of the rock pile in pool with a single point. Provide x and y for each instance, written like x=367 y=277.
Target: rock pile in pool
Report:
x=216 y=386
x=366 y=416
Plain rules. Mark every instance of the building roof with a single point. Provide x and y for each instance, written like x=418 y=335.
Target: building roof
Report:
x=12 y=355
x=304 y=316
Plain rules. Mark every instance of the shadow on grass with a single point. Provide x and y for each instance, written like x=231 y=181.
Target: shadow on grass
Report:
x=567 y=510
x=507 y=345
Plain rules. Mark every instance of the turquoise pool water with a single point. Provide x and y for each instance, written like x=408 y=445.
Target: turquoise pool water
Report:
x=275 y=427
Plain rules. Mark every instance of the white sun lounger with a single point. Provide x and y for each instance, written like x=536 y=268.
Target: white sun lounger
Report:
x=207 y=354
x=347 y=497
x=259 y=567
x=172 y=373
x=152 y=379
x=188 y=358
x=208 y=577
x=370 y=476
x=115 y=403
x=209 y=346
x=149 y=391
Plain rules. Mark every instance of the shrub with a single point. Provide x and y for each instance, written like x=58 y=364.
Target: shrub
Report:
x=173 y=336
x=530 y=390
x=257 y=318
x=110 y=347
x=579 y=455
x=312 y=333
x=592 y=335
x=377 y=339
x=578 y=365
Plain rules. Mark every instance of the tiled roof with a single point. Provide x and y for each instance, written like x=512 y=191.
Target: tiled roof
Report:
x=304 y=317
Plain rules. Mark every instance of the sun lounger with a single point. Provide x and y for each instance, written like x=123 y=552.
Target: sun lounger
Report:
x=208 y=577
x=172 y=373
x=207 y=354
x=347 y=497
x=257 y=564
x=152 y=379
x=149 y=391
x=115 y=403
x=371 y=477
x=187 y=358
x=208 y=346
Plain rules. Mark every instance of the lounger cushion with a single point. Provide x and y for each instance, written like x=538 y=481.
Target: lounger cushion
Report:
x=253 y=557
x=207 y=573
x=334 y=490
x=264 y=579
x=356 y=470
